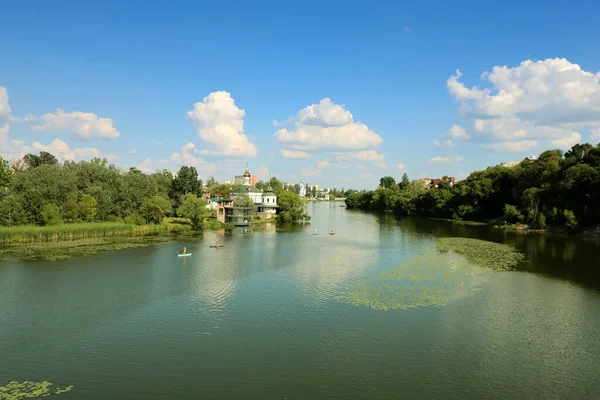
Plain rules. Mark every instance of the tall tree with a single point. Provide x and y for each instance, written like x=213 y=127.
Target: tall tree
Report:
x=4 y=173
x=44 y=158
x=186 y=181
x=193 y=209
x=404 y=182
x=387 y=182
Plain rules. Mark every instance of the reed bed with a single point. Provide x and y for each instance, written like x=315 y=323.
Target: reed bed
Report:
x=30 y=234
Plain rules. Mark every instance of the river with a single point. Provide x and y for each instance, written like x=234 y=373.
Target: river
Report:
x=259 y=319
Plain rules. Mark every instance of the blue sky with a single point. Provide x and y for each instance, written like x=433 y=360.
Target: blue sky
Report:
x=363 y=89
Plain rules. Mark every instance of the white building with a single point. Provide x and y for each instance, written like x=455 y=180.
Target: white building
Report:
x=265 y=202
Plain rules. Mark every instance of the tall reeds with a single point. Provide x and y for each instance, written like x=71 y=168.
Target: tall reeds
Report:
x=28 y=234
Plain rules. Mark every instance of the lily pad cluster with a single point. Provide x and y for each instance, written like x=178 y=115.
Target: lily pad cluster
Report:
x=428 y=280
x=30 y=390
x=497 y=256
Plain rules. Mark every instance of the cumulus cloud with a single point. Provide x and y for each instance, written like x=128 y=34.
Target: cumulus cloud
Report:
x=457 y=132
x=59 y=148
x=595 y=136
x=327 y=126
x=261 y=173
x=4 y=106
x=285 y=153
x=277 y=123
x=567 y=142
x=220 y=124
x=444 y=143
x=400 y=165
x=446 y=160
x=187 y=156
x=549 y=101
x=146 y=166
x=86 y=125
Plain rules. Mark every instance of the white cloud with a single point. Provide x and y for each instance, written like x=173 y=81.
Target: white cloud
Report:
x=4 y=130
x=548 y=101
x=567 y=142
x=187 y=157
x=220 y=123
x=400 y=165
x=514 y=146
x=276 y=123
x=4 y=106
x=595 y=136
x=366 y=176
x=61 y=150
x=445 y=143
x=310 y=172
x=86 y=125
x=446 y=160
x=157 y=142
x=457 y=132
x=146 y=166
x=132 y=151
x=327 y=126
x=285 y=153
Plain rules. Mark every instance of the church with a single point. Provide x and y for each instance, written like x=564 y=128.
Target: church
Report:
x=265 y=204
x=265 y=201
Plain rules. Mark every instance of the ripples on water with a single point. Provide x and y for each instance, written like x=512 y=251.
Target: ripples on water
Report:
x=258 y=319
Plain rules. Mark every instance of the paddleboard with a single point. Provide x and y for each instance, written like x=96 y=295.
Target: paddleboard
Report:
x=184 y=255
x=213 y=246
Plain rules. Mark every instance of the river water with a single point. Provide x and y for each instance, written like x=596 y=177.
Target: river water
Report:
x=259 y=319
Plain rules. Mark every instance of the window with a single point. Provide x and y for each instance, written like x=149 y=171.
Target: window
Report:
x=220 y=211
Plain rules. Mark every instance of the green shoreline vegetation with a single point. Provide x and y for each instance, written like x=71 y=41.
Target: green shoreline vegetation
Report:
x=444 y=272
x=557 y=191
x=50 y=210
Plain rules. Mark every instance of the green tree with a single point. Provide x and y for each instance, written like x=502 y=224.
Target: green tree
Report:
x=154 y=208
x=569 y=219
x=276 y=185
x=45 y=158
x=186 y=181
x=220 y=190
x=70 y=208
x=291 y=207
x=512 y=214
x=387 y=182
x=211 y=182
x=5 y=173
x=87 y=207
x=50 y=215
x=243 y=201
x=193 y=209
x=331 y=197
x=404 y=182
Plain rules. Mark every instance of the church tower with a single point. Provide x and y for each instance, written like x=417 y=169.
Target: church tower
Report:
x=247 y=176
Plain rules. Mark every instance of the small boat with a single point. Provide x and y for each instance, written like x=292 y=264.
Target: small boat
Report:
x=213 y=246
x=184 y=255
x=315 y=232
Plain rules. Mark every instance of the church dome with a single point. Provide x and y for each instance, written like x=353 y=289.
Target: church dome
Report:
x=247 y=173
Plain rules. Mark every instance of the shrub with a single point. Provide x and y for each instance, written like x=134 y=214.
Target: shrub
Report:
x=569 y=219
x=134 y=219
x=50 y=215
x=512 y=214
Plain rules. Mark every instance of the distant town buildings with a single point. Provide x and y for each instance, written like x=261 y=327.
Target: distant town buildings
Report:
x=239 y=180
x=430 y=183
x=264 y=202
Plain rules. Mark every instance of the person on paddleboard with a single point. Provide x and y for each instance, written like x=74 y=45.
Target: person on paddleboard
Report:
x=184 y=250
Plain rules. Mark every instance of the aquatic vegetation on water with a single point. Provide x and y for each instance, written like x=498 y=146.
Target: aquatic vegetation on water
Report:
x=492 y=255
x=50 y=251
x=429 y=280
x=30 y=390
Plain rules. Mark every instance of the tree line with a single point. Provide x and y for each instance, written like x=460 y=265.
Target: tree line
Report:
x=557 y=189
x=38 y=190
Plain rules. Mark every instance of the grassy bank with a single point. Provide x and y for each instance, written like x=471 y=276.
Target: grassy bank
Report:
x=32 y=234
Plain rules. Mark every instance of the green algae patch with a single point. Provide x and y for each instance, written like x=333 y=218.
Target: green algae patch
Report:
x=51 y=251
x=499 y=257
x=430 y=280
x=30 y=390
